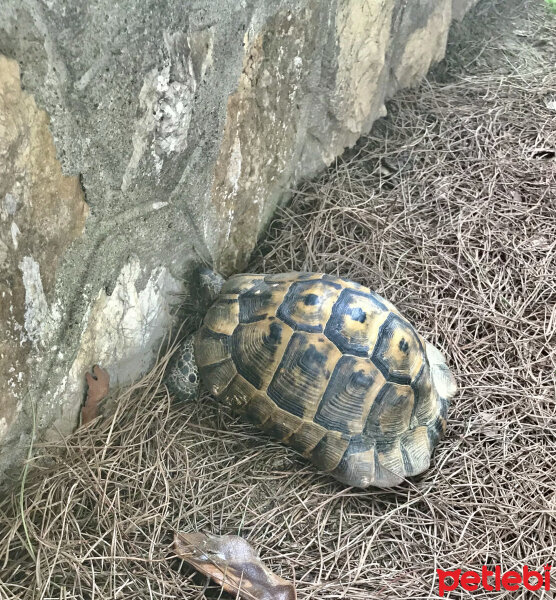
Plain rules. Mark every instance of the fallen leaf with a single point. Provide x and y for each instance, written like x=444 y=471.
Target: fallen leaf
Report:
x=98 y=384
x=234 y=564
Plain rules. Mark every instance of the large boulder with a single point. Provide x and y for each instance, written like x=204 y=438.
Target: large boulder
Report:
x=140 y=138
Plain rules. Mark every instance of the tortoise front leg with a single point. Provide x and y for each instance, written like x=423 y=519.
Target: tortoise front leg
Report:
x=182 y=375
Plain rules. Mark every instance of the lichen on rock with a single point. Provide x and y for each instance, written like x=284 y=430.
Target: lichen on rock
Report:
x=41 y=212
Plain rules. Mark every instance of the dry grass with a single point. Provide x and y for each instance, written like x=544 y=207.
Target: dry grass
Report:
x=462 y=237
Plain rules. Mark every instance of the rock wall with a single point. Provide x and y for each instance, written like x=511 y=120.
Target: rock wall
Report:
x=140 y=138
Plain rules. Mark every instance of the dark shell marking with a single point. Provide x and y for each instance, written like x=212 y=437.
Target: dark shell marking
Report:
x=329 y=368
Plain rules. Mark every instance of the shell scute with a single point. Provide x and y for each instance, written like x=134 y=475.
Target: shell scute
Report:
x=257 y=348
x=303 y=374
x=328 y=453
x=260 y=301
x=223 y=315
x=398 y=352
x=291 y=276
x=349 y=395
x=330 y=368
x=307 y=437
x=355 y=322
x=282 y=424
x=390 y=414
x=238 y=283
x=307 y=304
x=211 y=347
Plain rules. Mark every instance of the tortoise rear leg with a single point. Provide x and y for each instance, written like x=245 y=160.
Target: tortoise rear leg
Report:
x=182 y=375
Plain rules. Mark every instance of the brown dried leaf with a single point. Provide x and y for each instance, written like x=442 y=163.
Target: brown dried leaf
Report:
x=234 y=564
x=98 y=383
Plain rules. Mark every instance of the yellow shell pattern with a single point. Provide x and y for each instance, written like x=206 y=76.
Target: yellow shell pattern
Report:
x=330 y=368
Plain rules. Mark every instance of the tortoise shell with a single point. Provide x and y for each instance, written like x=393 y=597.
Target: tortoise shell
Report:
x=330 y=368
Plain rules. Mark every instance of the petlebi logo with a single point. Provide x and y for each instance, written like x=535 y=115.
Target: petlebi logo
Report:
x=494 y=580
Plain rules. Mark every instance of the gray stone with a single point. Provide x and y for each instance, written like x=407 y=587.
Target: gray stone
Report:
x=149 y=137
x=461 y=7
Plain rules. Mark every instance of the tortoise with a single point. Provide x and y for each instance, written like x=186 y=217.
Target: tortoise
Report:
x=324 y=365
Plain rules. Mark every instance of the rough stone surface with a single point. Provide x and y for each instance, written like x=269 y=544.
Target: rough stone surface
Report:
x=144 y=138
x=461 y=7
x=42 y=212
